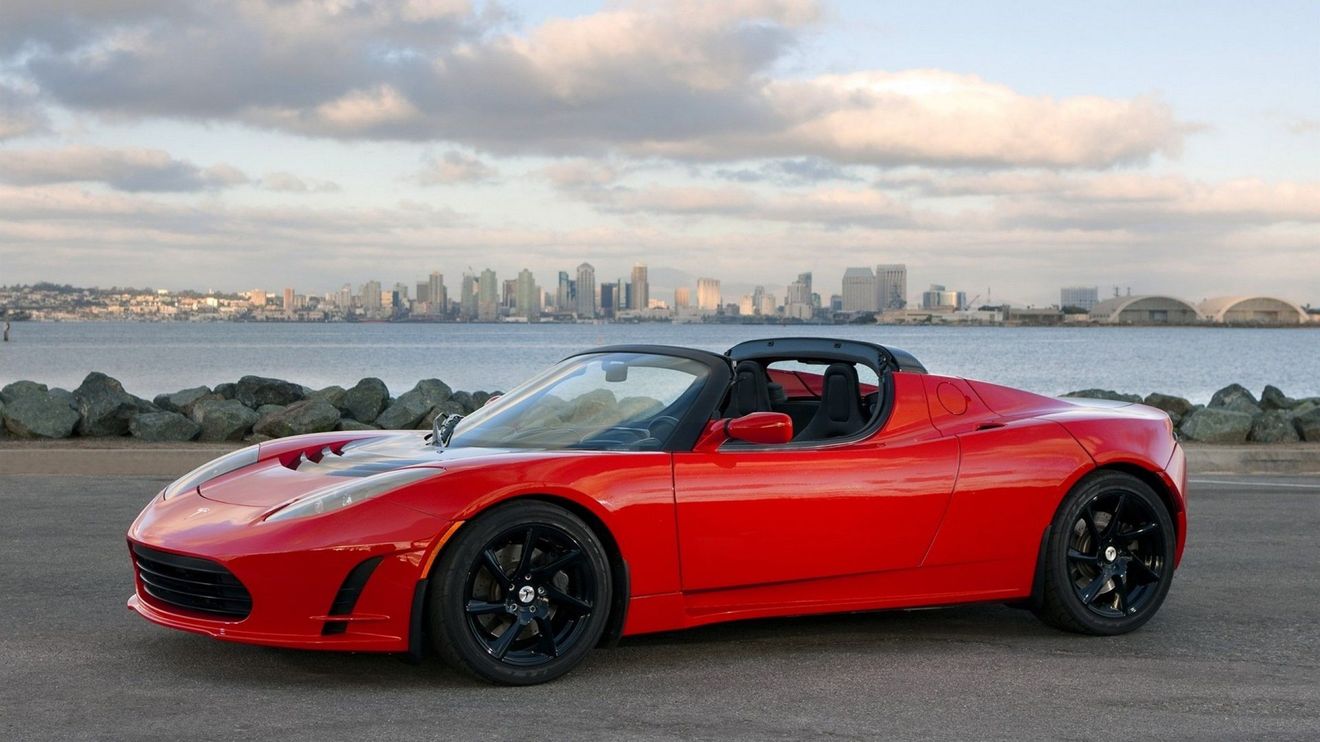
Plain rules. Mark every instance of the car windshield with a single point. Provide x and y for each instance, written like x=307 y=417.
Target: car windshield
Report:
x=597 y=401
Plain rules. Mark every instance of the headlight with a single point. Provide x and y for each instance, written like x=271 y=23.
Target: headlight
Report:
x=212 y=469
x=355 y=490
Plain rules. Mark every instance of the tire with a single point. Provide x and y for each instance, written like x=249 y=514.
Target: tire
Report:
x=1105 y=575
x=512 y=621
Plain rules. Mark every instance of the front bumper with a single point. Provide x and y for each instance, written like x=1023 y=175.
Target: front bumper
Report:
x=295 y=572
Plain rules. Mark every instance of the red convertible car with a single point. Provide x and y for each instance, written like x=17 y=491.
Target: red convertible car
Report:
x=635 y=489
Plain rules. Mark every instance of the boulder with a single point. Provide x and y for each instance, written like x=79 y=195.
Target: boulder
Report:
x=163 y=426
x=257 y=438
x=227 y=390
x=450 y=407
x=223 y=420
x=464 y=399
x=1105 y=394
x=271 y=409
x=21 y=388
x=1236 y=397
x=255 y=391
x=1308 y=424
x=1216 y=425
x=30 y=411
x=1273 y=398
x=348 y=423
x=1274 y=426
x=105 y=407
x=307 y=416
x=411 y=406
x=183 y=400
x=366 y=400
x=1175 y=407
x=332 y=394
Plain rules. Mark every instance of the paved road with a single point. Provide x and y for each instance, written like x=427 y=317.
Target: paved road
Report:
x=1234 y=653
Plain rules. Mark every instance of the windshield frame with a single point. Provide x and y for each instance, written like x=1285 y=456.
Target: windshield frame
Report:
x=704 y=403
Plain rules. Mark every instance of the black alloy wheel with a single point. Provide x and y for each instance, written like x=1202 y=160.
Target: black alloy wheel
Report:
x=522 y=594
x=1109 y=557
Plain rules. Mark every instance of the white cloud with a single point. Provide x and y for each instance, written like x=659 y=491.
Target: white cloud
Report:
x=455 y=167
x=121 y=169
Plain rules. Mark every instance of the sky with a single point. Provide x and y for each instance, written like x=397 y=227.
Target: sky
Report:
x=1005 y=149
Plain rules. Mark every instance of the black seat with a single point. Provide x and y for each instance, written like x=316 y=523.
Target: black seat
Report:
x=751 y=390
x=840 y=410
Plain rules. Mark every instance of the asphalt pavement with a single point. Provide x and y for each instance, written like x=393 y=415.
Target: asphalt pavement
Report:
x=1234 y=653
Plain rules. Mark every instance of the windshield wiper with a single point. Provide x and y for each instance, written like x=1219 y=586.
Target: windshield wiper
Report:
x=442 y=429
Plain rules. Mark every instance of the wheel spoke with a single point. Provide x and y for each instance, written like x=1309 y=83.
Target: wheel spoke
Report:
x=483 y=608
x=525 y=558
x=493 y=566
x=1077 y=556
x=1141 y=530
x=548 y=644
x=1112 y=527
x=1120 y=590
x=1092 y=590
x=1147 y=575
x=563 y=599
x=1088 y=517
x=505 y=640
x=558 y=564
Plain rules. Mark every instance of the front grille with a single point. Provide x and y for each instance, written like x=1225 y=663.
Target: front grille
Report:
x=190 y=583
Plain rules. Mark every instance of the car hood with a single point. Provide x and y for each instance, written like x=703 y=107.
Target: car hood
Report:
x=279 y=479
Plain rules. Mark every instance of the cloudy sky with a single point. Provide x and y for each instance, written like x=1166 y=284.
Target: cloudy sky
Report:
x=1170 y=147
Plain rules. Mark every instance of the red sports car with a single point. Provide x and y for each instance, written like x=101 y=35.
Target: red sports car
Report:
x=633 y=489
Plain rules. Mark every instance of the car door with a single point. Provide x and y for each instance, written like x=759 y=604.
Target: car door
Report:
x=751 y=515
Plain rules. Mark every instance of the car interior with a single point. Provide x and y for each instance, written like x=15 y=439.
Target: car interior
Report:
x=825 y=399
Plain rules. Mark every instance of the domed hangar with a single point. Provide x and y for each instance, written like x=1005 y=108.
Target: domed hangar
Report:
x=1145 y=310
x=1252 y=310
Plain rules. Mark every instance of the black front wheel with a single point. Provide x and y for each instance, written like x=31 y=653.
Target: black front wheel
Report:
x=1108 y=557
x=521 y=594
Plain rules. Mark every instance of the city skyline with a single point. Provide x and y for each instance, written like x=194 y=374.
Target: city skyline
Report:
x=1143 y=147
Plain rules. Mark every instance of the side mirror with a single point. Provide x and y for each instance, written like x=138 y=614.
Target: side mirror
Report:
x=760 y=427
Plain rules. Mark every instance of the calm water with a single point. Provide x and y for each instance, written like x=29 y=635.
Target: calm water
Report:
x=153 y=358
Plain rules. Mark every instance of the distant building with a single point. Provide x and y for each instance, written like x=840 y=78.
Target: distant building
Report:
x=289 y=303
x=586 y=291
x=798 y=303
x=436 y=295
x=859 y=290
x=371 y=299
x=467 y=299
x=682 y=297
x=527 y=296
x=257 y=298
x=1144 y=310
x=488 y=296
x=1082 y=297
x=708 y=294
x=608 y=292
x=564 y=298
x=890 y=286
x=641 y=292
x=939 y=297
x=1252 y=310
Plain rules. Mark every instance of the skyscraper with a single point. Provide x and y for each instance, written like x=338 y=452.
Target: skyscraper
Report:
x=586 y=290
x=488 y=296
x=467 y=299
x=371 y=302
x=437 y=296
x=708 y=294
x=608 y=291
x=564 y=299
x=797 y=302
x=859 y=290
x=528 y=300
x=641 y=294
x=890 y=286
x=289 y=305
x=682 y=297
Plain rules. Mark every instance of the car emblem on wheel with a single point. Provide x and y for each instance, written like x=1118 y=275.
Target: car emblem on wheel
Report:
x=526 y=594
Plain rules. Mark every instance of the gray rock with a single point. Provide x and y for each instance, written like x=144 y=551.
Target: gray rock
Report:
x=1274 y=426
x=255 y=391
x=22 y=388
x=271 y=409
x=307 y=416
x=1176 y=407
x=1105 y=394
x=1273 y=398
x=163 y=426
x=412 y=405
x=464 y=399
x=105 y=407
x=451 y=407
x=1216 y=425
x=1236 y=397
x=332 y=394
x=366 y=400
x=349 y=423
x=32 y=412
x=257 y=438
x=223 y=420
x=1308 y=424
x=226 y=390
x=183 y=400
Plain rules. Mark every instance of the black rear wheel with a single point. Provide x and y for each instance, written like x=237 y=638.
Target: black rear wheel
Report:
x=521 y=595
x=1108 y=557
